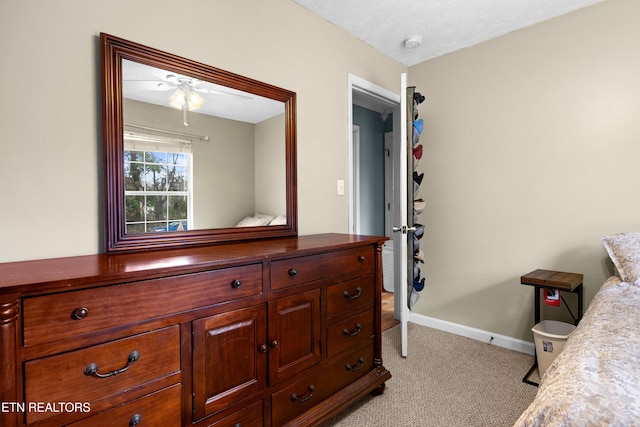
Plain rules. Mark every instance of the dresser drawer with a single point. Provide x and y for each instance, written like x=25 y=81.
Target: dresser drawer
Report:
x=53 y=317
x=161 y=408
x=350 y=333
x=301 y=396
x=296 y=271
x=348 y=297
x=73 y=376
x=251 y=416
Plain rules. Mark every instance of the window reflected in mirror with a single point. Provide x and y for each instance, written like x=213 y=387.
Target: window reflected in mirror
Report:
x=157 y=190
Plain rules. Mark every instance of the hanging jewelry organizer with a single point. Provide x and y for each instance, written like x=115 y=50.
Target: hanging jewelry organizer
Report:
x=415 y=125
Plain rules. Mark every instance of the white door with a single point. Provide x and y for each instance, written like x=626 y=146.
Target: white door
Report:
x=401 y=228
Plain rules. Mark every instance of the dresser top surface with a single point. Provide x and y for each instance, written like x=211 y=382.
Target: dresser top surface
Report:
x=102 y=268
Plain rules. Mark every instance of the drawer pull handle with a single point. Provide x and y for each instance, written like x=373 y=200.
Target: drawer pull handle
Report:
x=356 y=295
x=92 y=368
x=357 y=368
x=354 y=333
x=361 y=258
x=135 y=420
x=295 y=398
x=293 y=272
x=263 y=348
x=274 y=343
x=81 y=313
x=236 y=283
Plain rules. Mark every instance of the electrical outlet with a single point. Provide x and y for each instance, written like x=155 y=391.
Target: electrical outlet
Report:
x=341 y=187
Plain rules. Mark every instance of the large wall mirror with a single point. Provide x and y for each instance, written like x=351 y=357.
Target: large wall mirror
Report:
x=194 y=155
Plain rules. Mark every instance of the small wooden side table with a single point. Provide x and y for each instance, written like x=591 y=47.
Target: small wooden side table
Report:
x=568 y=282
x=550 y=279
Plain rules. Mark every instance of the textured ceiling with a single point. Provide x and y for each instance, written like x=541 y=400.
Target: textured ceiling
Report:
x=444 y=25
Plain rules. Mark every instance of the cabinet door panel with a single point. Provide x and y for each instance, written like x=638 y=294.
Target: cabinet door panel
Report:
x=229 y=358
x=294 y=334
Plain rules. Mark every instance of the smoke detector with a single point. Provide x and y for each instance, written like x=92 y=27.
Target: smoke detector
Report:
x=413 y=42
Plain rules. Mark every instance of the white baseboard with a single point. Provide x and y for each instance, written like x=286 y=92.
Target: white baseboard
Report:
x=473 y=333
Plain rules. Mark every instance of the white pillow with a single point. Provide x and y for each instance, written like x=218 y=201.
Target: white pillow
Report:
x=265 y=216
x=254 y=221
x=279 y=220
x=624 y=251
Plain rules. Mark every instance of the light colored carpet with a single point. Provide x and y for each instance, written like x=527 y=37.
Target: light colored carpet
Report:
x=446 y=381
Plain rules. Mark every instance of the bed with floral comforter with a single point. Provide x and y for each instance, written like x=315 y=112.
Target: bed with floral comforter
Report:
x=595 y=381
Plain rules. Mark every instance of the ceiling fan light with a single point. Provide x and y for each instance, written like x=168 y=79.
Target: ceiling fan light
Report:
x=195 y=100
x=178 y=99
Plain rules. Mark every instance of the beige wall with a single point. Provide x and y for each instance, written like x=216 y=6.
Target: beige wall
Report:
x=270 y=167
x=50 y=167
x=223 y=179
x=532 y=145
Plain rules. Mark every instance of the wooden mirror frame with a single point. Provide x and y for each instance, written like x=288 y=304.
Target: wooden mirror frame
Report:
x=114 y=50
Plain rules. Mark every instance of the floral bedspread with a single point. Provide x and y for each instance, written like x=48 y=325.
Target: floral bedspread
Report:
x=595 y=381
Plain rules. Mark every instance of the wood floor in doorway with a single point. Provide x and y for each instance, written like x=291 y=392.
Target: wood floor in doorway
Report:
x=388 y=320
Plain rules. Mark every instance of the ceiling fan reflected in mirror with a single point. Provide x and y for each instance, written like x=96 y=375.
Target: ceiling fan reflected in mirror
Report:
x=144 y=83
x=186 y=96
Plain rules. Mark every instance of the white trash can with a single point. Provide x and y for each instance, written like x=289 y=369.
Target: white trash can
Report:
x=387 y=266
x=550 y=337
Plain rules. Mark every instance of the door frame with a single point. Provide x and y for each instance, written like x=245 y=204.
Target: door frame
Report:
x=390 y=175
x=376 y=96
x=354 y=181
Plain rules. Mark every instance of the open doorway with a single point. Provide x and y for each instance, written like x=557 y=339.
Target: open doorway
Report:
x=374 y=174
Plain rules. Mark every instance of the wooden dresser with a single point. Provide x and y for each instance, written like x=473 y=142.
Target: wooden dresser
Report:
x=262 y=333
